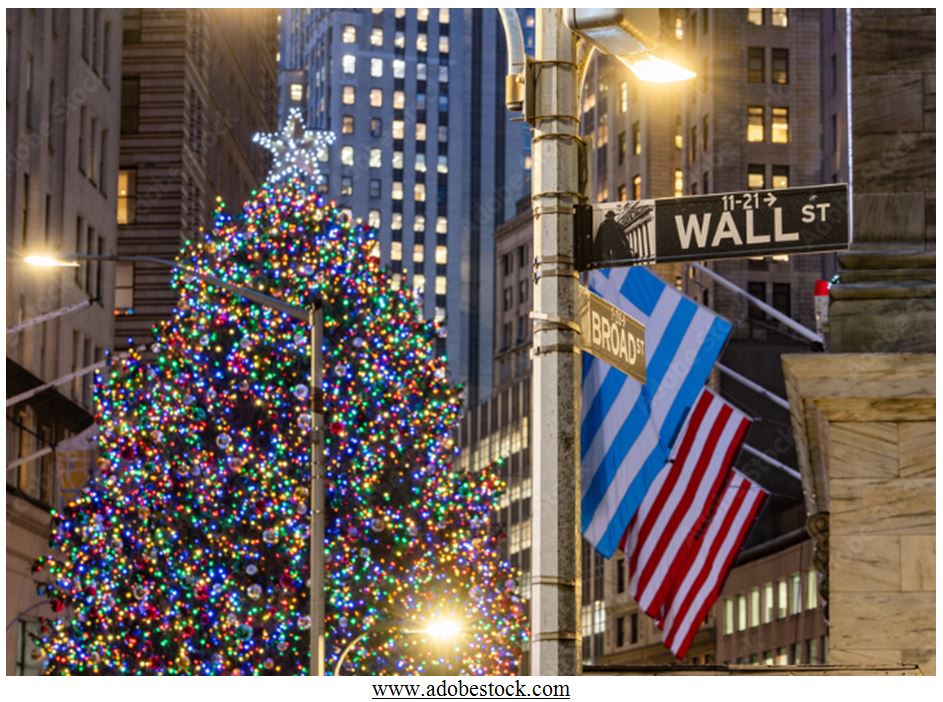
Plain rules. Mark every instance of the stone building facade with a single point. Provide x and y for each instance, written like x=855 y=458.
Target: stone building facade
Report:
x=63 y=83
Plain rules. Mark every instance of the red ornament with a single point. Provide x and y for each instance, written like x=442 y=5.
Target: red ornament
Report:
x=337 y=428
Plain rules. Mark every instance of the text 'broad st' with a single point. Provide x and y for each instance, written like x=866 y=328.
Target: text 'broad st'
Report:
x=612 y=335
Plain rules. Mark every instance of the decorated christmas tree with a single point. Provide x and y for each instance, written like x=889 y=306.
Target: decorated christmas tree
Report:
x=189 y=552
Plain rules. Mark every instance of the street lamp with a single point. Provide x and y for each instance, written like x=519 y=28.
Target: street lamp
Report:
x=439 y=629
x=546 y=88
x=314 y=317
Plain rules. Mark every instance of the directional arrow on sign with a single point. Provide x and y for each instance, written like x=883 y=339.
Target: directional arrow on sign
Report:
x=770 y=199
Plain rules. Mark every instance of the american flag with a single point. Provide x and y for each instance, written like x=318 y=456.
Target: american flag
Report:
x=688 y=529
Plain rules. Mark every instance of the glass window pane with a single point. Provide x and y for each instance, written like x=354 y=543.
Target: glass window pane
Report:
x=755 y=606
x=349 y=34
x=376 y=37
x=812 y=589
x=755 y=127
x=728 y=616
x=780 y=125
x=783 y=599
x=349 y=63
x=779 y=17
x=755 y=15
x=741 y=612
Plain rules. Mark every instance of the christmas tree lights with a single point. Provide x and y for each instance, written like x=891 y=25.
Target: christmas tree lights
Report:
x=188 y=553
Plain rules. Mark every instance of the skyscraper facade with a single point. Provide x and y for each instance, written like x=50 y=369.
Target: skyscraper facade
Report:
x=196 y=84
x=425 y=152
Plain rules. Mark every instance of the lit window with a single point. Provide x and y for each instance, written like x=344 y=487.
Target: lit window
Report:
x=679 y=136
x=780 y=66
x=378 y=10
x=399 y=12
x=421 y=162
x=728 y=616
x=127 y=197
x=399 y=40
x=349 y=34
x=347 y=186
x=623 y=97
x=373 y=219
x=396 y=281
x=443 y=44
x=755 y=127
x=399 y=100
x=297 y=92
x=419 y=192
x=440 y=285
x=420 y=131
x=376 y=158
x=347 y=124
x=398 y=128
x=441 y=255
x=636 y=138
x=783 y=599
x=812 y=588
x=795 y=599
x=396 y=251
x=779 y=17
x=441 y=225
x=376 y=97
x=397 y=193
x=623 y=193
x=419 y=223
x=422 y=14
x=755 y=15
x=442 y=165
x=124 y=286
x=376 y=67
x=780 y=176
x=637 y=187
x=421 y=71
x=755 y=607
x=348 y=95
x=443 y=73
x=419 y=253
x=443 y=15
x=349 y=63
x=779 y=131
x=756 y=72
x=419 y=282
x=422 y=42
x=397 y=222
x=756 y=176
x=679 y=28
x=347 y=155
x=397 y=159
x=679 y=182
x=399 y=68
x=768 y=604
x=741 y=612
x=376 y=36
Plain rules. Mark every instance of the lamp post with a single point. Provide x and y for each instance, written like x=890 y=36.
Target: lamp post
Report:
x=313 y=316
x=546 y=88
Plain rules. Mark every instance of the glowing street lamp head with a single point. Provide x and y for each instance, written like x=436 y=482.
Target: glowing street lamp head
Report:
x=652 y=69
x=443 y=629
x=46 y=261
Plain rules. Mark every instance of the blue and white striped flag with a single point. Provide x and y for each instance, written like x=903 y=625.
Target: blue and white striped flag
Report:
x=627 y=429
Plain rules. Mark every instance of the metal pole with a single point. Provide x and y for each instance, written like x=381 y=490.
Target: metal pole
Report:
x=756 y=387
x=317 y=565
x=555 y=609
x=49 y=315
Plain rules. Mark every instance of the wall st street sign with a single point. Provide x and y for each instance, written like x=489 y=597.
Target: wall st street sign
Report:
x=611 y=335
x=704 y=227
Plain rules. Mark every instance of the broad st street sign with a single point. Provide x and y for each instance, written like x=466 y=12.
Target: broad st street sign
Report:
x=611 y=335
x=704 y=227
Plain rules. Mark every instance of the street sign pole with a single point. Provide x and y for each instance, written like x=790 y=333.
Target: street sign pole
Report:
x=555 y=608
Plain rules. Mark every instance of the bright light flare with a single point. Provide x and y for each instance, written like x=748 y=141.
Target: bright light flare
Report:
x=652 y=69
x=46 y=261
x=443 y=629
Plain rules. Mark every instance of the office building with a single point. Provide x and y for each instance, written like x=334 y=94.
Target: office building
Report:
x=426 y=153
x=63 y=106
x=196 y=85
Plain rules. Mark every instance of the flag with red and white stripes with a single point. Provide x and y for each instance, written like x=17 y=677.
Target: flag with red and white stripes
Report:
x=680 y=510
x=687 y=607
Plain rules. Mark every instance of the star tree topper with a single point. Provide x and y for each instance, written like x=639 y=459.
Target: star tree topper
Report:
x=296 y=149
